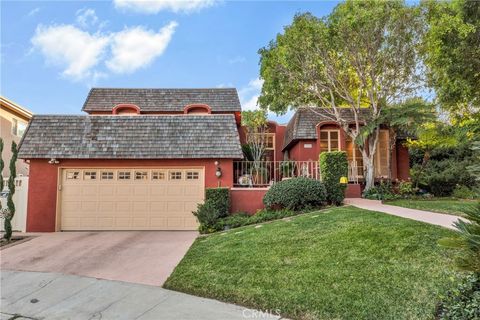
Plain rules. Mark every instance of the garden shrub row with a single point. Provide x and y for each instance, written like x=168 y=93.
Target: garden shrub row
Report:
x=296 y=194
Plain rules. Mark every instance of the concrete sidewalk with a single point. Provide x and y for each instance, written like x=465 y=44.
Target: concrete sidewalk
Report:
x=439 y=219
x=36 y=295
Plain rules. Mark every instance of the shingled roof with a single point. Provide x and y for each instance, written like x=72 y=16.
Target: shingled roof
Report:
x=131 y=137
x=304 y=121
x=162 y=100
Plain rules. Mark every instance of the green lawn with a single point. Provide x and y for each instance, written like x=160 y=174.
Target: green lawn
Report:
x=342 y=263
x=440 y=205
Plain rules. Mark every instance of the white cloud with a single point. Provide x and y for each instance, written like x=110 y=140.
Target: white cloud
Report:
x=86 y=18
x=134 y=48
x=89 y=56
x=33 y=12
x=250 y=93
x=155 y=6
x=77 y=51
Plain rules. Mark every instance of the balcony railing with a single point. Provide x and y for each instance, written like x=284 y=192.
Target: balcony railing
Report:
x=262 y=174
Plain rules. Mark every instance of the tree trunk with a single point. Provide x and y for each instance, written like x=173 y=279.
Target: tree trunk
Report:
x=369 y=173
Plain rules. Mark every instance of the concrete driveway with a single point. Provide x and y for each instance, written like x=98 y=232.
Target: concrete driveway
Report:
x=39 y=296
x=145 y=257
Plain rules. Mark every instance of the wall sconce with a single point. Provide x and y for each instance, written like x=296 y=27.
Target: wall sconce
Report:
x=218 y=171
x=53 y=161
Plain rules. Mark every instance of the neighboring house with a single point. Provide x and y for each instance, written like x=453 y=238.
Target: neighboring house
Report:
x=142 y=158
x=13 y=122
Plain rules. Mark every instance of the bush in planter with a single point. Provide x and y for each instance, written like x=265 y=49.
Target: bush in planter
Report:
x=333 y=166
x=296 y=194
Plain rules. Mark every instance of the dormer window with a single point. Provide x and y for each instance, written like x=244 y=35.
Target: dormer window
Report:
x=126 y=109
x=197 y=109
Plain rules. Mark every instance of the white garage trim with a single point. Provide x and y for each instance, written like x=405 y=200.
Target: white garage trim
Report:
x=129 y=198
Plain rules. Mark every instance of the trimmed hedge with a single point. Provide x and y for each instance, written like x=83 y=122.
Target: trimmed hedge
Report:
x=220 y=197
x=333 y=166
x=296 y=194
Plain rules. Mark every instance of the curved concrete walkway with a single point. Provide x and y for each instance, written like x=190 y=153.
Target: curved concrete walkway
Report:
x=439 y=219
x=36 y=295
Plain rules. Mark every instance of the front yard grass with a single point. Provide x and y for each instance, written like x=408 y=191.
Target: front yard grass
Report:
x=340 y=263
x=441 y=205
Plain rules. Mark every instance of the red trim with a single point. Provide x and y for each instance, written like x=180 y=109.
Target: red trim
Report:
x=189 y=107
x=125 y=106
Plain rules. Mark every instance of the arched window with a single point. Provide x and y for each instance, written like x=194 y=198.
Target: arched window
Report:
x=126 y=109
x=197 y=109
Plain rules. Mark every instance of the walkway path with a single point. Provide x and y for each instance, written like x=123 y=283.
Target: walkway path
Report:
x=440 y=219
x=36 y=295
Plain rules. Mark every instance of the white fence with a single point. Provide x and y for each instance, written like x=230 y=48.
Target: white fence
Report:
x=19 y=221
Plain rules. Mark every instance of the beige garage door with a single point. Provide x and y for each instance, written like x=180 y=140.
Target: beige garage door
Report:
x=130 y=199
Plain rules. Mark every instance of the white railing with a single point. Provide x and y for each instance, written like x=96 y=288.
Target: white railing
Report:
x=355 y=173
x=262 y=174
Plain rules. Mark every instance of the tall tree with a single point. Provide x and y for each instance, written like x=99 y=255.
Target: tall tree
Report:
x=362 y=56
x=11 y=188
x=452 y=52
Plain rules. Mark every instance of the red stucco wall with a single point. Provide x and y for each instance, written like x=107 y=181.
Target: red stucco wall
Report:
x=42 y=188
x=247 y=200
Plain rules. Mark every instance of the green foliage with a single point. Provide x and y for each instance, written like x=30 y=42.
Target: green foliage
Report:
x=462 y=302
x=333 y=166
x=451 y=51
x=11 y=188
x=406 y=189
x=247 y=152
x=220 y=197
x=296 y=194
x=208 y=215
x=216 y=206
x=464 y=192
x=287 y=168
x=254 y=118
x=243 y=219
x=381 y=191
x=467 y=241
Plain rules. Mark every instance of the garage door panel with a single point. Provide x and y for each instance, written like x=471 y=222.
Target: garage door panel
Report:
x=106 y=206
x=155 y=201
x=157 y=190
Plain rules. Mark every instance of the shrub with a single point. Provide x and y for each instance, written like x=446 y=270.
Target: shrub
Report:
x=208 y=215
x=463 y=302
x=406 y=189
x=243 y=219
x=220 y=197
x=381 y=191
x=333 y=166
x=464 y=192
x=216 y=206
x=296 y=194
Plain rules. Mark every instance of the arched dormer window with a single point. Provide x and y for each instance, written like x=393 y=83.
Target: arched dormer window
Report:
x=126 y=109
x=197 y=109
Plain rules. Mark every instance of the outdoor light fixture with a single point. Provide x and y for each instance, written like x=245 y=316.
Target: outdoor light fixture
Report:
x=343 y=180
x=53 y=161
x=218 y=172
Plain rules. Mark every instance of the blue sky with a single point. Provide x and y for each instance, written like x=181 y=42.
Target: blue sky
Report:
x=53 y=52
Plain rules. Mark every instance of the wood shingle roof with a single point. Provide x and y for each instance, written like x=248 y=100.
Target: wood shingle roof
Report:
x=162 y=100
x=131 y=137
